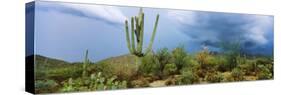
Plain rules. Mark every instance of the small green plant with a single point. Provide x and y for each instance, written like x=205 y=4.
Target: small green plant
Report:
x=223 y=64
x=202 y=57
x=212 y=63
x=170 y=69
x=188 y=77
x=179 y=55
x=241 y=60
x=214 y=77
x=232 y=51
x=44 y=86
x=92 y=83
x=250 y=68
x=149 y=65
x=69 y=86
x=237 y=74
x=164 y=57
x=264 y=73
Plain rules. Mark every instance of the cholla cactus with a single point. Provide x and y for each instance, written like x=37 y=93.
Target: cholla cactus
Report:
x=137 y=31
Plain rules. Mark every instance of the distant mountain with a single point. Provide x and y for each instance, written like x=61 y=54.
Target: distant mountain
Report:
x=56 y=69
x=49 y=62
x=127 y=58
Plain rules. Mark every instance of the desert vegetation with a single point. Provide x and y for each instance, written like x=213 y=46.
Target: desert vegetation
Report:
x=151 y=68
x=162 y=68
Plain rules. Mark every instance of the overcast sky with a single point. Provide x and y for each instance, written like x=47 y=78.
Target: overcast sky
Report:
x=65 y=30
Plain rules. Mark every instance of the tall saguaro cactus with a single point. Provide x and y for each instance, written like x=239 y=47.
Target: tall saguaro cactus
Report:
x=137 y=31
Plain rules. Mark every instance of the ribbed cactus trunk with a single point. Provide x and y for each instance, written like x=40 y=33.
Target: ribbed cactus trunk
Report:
x=85 y=64
x=135 y=42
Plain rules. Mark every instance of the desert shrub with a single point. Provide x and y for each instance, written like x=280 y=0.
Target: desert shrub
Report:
x=222 y=64
x=249 y=68
x=190 y=63
x=237 y=74
x=45 y=86
x=164 y=57
x=149 y=65
x=123 y=71
x=265 y=67
x=179 y=54
x=202 y=57
x=188 y=77
x=263 y=60
x=170 y=69
x=200 y=72
x=241 y=60
x=208 y=63
x=264 y=72
x=106 y=68
x=270 y=68
x=227 y=77
x=231 y=61
x=92 y=83
x=231 y=50
x=212 y=63
x=214 y=77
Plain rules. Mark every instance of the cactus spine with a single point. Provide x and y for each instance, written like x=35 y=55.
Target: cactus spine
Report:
x=137 y=31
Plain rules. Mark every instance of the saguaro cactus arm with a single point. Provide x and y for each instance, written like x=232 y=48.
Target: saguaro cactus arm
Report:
x=141 y=22
x=132 y=34
x=128 y=37
x=153 y=35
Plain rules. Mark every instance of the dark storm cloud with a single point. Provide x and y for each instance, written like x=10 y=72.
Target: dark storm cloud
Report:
x=96 y=12
x=253 y=32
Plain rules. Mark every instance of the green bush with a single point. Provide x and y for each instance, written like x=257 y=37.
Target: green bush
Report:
x=263 y=60
x=170 y=69
x=123 y=71
x=231 y=61
x=208 y=63
x=222 y=65
x=188 y=77
x=264 y=73
x=45 y=86
x=149 y=65
x=106 y=68
x=231 y=50
x=214 y=77
x=227 y=77
x=250 y=68
x=241 y=60
x=190 y=62
x=164 y=57
x=212 y=63
x=237 y=74
x=179 y=55
x=202 y=57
